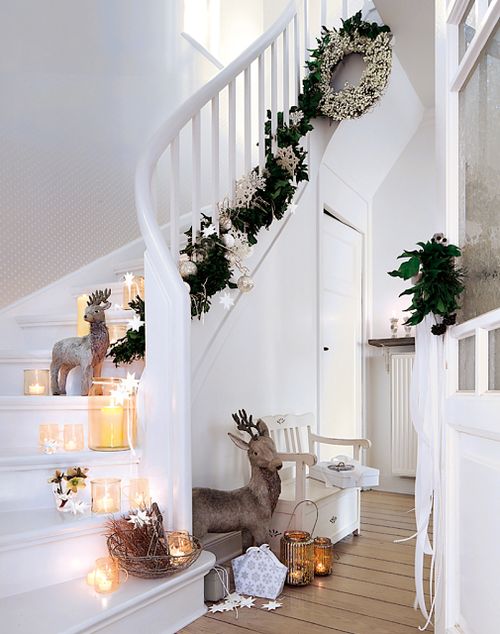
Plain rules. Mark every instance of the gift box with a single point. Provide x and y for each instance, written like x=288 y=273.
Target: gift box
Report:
x=259 y=573
x=345 y=473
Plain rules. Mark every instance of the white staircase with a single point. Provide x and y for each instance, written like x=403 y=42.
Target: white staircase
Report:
x=45 y=555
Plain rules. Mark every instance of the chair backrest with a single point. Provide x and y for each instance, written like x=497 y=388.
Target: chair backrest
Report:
x=290 y=432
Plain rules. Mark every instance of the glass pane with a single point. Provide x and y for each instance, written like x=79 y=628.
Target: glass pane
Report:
x=467 y=29
x=480 y=182
x=467 y=364
x=494 y=359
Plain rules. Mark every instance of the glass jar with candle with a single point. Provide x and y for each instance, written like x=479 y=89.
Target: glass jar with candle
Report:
x=106 y=495
x=106 y=575
x=180 y=546
x=73 y=437
x=48 y=437
x=36 y=383
x=323 y=556
x=112 y=419
x=297 y=553
x=137 y=492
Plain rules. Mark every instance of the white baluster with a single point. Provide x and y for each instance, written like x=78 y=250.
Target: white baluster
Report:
x=248 y=119
x=215 y=162
x=232 y=136
x=345 y=9
x=174 y=198
x=306 y=31
x=262 y=113
x=323 y=13
x=296 y=54
x=196 y=161
x=274 y=94
x=286 y=77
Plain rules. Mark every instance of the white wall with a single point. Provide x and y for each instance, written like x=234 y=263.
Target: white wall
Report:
x=404 y=211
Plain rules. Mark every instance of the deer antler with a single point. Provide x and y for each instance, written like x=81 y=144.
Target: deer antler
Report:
x=246 y=424
x=99 y=297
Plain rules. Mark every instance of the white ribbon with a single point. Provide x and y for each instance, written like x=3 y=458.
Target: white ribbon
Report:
x=426 y=403
x=264 y=548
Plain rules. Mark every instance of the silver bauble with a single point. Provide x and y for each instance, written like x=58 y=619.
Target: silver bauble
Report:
x=228 y=240
x=187 y=269
x=231 y=257
x=225 y=223
x=245 y=283
x=245 y=250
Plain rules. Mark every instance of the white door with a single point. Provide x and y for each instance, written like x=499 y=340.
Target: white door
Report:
x=470 y=600
x=341 y=332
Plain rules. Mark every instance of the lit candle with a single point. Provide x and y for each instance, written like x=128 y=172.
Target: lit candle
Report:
x=103 y=585
x=112 y=427
x=48 y=437
x=179 y=545
x=106 y=494
x=73 y=437
x=91 y=578
x=36 y=389
x=82 y=326
x=107 y=575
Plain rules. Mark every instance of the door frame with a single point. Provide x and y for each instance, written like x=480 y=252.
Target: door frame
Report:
x=345 y=204
x=452 y=74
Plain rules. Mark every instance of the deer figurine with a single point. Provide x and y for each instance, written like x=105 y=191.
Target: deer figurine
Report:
x=251 y=507
x=87 y=352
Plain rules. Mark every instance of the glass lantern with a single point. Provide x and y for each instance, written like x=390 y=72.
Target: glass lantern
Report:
x=112 y=420
x=133 y=286
x=297 y=553
x=48 y=437
x=36 y=383
x=106 y=495
x=106 y=575
x=323 y=556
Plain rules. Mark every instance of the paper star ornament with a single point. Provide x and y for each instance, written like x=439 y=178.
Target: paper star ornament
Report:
x=128 y=278
x=135 y=323
x=216 y=607
x=271 y=605
x=209 y=231
x=139 y=519
x=226 y=300
x=247 y=602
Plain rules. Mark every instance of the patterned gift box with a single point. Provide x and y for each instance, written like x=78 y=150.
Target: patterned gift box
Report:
x=259 y=573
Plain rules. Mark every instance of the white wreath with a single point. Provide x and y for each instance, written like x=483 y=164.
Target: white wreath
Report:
x=352 y=101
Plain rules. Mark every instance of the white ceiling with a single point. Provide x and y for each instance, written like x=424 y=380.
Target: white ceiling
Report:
x=413 y=26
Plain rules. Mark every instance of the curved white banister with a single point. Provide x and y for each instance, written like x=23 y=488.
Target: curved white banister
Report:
x=166 y=383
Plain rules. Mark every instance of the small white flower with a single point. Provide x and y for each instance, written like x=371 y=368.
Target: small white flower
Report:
x=271 y=605
x=139 y=519
x=209 y=231
x=135 y=323
x=226 y=300
x=296 y=117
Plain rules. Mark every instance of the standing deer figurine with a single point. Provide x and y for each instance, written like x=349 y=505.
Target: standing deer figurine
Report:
x=251 y=507
x=87 y=352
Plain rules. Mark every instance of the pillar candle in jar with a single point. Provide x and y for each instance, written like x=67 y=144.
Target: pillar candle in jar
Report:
x=73 y=437
x=82 y=326
x=112 y=432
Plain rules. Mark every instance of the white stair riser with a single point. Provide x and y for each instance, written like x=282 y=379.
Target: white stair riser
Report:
x=29 y=488
x=36 y=565
x=12 y=377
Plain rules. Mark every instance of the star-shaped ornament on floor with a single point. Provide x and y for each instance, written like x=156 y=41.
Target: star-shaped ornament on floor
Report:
x=135 y=323
x=247 y=602
x=226 y=300
x=216 y=607
x=271 y=605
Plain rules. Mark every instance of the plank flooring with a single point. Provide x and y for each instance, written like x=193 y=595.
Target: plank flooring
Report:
x=371 y=590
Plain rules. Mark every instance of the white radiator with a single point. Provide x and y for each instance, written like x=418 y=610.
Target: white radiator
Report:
x=404 y=438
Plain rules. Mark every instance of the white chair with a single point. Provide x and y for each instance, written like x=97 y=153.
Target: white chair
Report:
x=339 y=509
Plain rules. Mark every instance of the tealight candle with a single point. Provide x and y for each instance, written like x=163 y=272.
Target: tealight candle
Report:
x=73 y=437
x=36 y=382
x=179 y=545
x=106 y=494
x=106 y=575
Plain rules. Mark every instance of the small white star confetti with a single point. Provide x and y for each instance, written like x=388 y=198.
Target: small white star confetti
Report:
x=209 y=231
x=271 y=605
x=135 y=323
x=226 y=300
x=139 y=519
x=247 y=602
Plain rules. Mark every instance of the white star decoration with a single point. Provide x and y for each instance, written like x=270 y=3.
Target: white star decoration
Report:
x=216 y=607
x=128 y=278
x=247 y=602
x=209 y=231
x=139 y=519
x=130 y=383
x=271 y=605
x=135 y=323
x=296 y=117
x=287 y=159
x=119 y=396
x=76 y=507
x=50 y=446
x=226 y=300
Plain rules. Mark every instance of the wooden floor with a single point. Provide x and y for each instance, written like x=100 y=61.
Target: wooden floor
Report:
x=370 y=592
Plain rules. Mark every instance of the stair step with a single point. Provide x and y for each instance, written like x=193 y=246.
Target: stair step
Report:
x=24 y=474
x=132 y=266
x=14 y=362
x=42 y=331
x=116 y=288
x=163 y=606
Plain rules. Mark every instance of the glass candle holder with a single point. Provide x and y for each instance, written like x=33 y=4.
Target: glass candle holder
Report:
x=112 y=425
x=323 y=556
x=133 y=285
x=73 y=438
x=106 y=575
x=297 y=553
x=106 y=495
x=116 y=331
x=48 y=437
x=138 y=493
x=179 y=546
x=36 y=382
x=82 y=326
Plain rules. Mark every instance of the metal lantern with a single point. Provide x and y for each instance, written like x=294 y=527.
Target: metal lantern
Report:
x=323 y=556
x=297 y=553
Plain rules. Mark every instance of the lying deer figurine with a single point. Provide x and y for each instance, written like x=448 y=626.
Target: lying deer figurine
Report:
x=87 y=352
x=251 y=507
